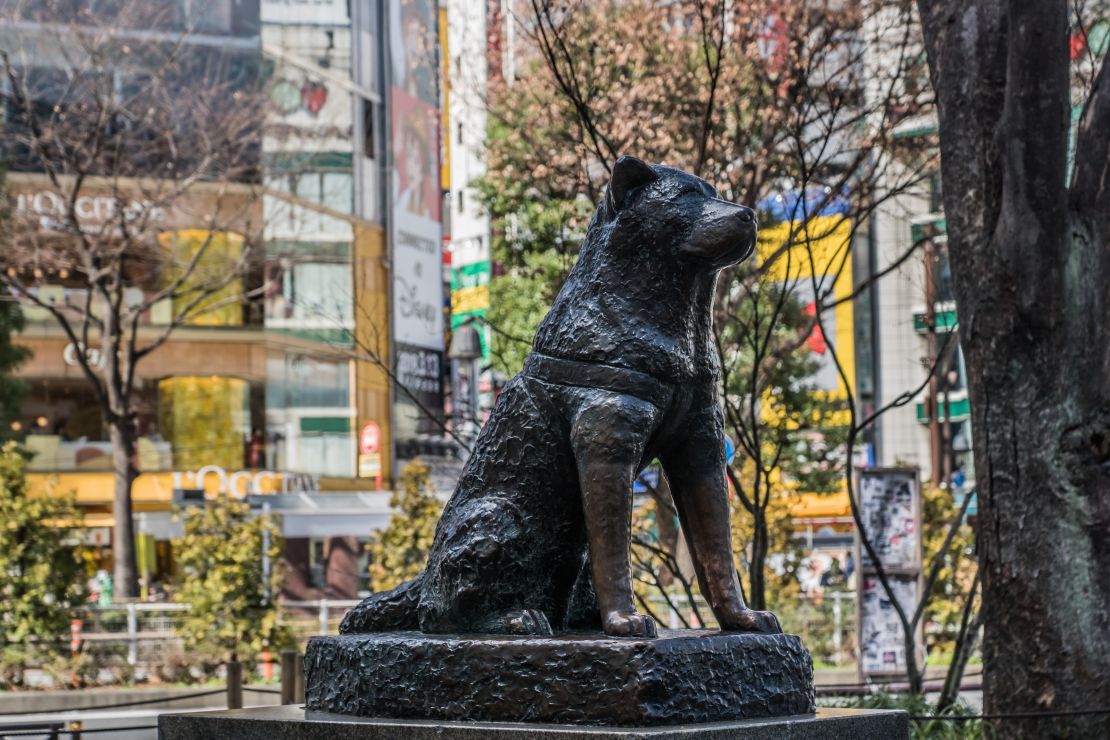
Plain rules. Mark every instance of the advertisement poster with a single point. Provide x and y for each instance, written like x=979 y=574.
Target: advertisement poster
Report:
x=417 y=291
x=821 y=247
x=417 y=229
x=882 y=647
x=890 y=508
x=888 y=501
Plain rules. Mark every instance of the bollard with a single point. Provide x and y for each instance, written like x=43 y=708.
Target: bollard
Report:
x=132 y=633
x=267 y=665
x=298 y=686
x=234 y=685
x=74 y=649
x=288 y=676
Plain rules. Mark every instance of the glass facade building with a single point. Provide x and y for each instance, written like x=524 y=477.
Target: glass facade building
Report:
x=266 y=395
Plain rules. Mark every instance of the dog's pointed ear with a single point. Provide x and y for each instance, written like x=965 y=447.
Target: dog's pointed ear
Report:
x=629 y=173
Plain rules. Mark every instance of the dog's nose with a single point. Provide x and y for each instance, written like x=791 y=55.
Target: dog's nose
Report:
x=746 y=216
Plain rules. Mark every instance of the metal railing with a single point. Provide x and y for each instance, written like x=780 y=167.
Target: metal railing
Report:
x=144 y=626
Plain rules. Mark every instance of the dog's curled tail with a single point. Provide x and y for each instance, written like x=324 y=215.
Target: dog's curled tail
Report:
x=385 y=611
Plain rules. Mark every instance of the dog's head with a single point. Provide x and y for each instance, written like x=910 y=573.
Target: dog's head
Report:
x=674 y=211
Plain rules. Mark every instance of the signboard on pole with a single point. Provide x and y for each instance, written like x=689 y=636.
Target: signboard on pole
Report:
x=370 y=438
x=890 y=509
x=370 y=452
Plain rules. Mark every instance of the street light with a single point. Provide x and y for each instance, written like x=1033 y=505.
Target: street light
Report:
x=465 y=343
x=465 y=347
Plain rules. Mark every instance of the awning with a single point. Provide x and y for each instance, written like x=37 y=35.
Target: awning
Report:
x=300 y=514
x=328 y=514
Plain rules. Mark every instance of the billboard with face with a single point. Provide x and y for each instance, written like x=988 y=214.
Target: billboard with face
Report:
x=416 y=224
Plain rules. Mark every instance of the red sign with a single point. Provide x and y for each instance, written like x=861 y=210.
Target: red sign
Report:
x=370 y=438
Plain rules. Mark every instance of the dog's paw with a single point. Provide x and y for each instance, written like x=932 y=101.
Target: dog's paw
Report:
x=749 y=620
x=527 y=622
x=629 y=624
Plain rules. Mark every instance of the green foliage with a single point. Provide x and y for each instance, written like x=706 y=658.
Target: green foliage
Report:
x=949 y=594
x=547 y=167
x=41 y=573
x=232 y=614
x=790 y=436
x=12 y=389
x=535 y=242
x=918 y=706
x=398 y=552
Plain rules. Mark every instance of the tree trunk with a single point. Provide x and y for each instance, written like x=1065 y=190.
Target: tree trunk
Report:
x=757 y=599
x=1031 y=265
x=125 y=570
x=1044 y=501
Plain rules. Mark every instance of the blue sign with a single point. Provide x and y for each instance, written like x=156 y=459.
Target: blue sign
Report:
x=650 y=477
x=818 y=201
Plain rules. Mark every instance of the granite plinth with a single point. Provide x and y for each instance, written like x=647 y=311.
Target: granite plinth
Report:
x=294 y=723
x=683 y=676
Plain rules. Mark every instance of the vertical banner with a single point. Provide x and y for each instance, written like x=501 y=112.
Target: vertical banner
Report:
x=890 y=508
x=417 y=230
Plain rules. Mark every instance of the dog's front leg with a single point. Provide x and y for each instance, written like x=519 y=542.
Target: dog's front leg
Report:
x=696 y=472
x=608 y=436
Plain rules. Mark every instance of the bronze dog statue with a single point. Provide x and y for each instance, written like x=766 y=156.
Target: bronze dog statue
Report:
x=536 y=537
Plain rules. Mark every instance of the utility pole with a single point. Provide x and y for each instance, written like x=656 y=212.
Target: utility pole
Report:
x=931 y=406
x=950 y=378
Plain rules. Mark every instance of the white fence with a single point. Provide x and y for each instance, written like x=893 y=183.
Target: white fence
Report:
x=144 y=627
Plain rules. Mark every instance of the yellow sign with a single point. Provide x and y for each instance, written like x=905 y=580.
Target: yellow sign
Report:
x=817 y=255
x=369 y=464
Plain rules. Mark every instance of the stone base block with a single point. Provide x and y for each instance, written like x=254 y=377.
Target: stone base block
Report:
x=681 y=677
x=294 y=723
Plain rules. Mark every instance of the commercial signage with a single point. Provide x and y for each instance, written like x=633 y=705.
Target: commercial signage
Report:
x=417 y=229
x=369 y=464
x=817 y=247
x=370 y=452
x=51 y=208
x=882 y=648
x=370 y=438
x=213 y=479
x=470 y=298
x=71 y=355
x=416 y=234
x=890 y=509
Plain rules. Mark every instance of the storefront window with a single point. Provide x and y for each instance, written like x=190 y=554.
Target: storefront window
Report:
x=222 y=253
x=63 y=428
x=206 y=419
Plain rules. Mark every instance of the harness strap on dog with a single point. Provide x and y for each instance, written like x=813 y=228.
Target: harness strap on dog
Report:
x=597 y=375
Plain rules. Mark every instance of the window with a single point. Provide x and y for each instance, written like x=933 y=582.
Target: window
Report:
x=367 y=128
x=312 y=295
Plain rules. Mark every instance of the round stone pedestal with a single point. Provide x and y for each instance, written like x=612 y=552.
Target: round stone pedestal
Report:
x=689 y=676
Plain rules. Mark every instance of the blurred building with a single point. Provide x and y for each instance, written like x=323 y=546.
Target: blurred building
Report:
x=314 y=393
x=471 y=266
